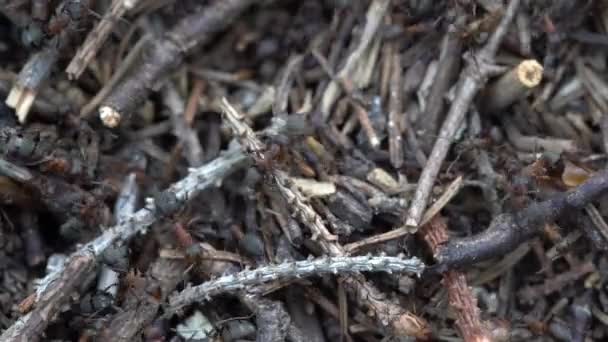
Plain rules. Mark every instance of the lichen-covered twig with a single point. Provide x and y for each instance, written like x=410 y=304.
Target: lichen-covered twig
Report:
x=97 y=37
x=507 y=231
x=299 y=269
x=57 y=288
x=164 y=55
x=473 y=78
x=400 y=321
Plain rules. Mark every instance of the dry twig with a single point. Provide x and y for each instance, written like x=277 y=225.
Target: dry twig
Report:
x=473 y=78
x=399 y=320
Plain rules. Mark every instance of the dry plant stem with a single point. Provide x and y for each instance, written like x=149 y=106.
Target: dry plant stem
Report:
x=98 y=36
x=395 y=139
x=473 y=78
x=162 y=56
x=459 y=295
x=374 y=18
x=337 y=265
x=447 y=70
x=507 y=231
x=131 y=57
x=56 y=288
x=30 y=80
x=399 y=320
x=512 y=86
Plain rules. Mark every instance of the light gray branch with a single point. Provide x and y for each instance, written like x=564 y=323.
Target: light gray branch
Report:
x=243 y=280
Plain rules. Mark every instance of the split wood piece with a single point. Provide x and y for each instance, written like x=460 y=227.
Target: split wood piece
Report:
x=460 y=296
x=98 y=36
x=38 y=68
x=473 y=78
x=400 y=321
x=164 y=55
x=57 y=288
x=30 y=80
x=507 y=231
x=512 y=86
x=373 y=20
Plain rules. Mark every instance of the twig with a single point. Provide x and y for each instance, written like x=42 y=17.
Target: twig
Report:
x=447 y=70
x=98 y=36
x=532 y=143
x=401 y=321
x=30 y=80
x=56 y=288
x=447 y=195
x=38 y=68
x=164 y=55
x=374 y=18
x=395 y=140
x=121 y=70
x=125 y=206
x=507 y=231
x=473 y=78
x=299 y=269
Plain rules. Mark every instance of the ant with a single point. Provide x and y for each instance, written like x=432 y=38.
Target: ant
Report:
x=67 y=16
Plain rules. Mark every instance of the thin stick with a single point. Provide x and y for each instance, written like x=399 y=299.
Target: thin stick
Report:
x=395 y=140
x=98 y=36
x=473 y=78
x=447 y=195
x=165 y=54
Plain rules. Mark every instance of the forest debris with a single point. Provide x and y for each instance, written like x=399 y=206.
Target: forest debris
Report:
x=471 y=80
x=56 y=289
x=374 y=18
x=164 y=55
x=299 y=269
x=97 y=36
x=507 y=231
x=30 y=80
x=400 y=321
